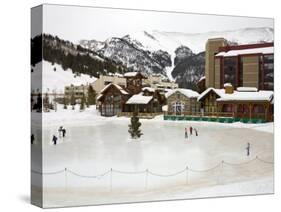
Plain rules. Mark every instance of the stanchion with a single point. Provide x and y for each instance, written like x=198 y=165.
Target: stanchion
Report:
x=111 y=180
x=186 y=177
x=65 y=179
x=146 y=179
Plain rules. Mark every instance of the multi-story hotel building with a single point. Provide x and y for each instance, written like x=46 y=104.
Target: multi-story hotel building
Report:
x=249 y=65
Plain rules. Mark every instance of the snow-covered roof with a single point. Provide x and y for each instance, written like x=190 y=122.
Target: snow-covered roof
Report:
x=139 y=99
x=219 y=92
x=187 y=92
x=148 y=89
x=132 y=74
x=249 y=89
x=117 y=86
x=262 y=50
x=247 y=96
x=165 y=108
x=239 y=95
x=99 y=96
x=202 y=78
x=227 y=85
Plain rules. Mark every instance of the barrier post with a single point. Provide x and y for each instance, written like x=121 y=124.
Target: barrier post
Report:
x=146 y=179
x=221 y=172
x=111 y=180
x=186 y=176
x=65 y=179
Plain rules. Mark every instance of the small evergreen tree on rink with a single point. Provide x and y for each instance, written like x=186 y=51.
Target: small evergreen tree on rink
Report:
x=46 y=103
x=91 y=95
x=64 y=103
x=82 y=104
x=73 y=101
x=134 y=127
x=87 y=103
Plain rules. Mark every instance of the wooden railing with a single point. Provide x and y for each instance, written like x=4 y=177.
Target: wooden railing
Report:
x=140 y=115
x=202 y=114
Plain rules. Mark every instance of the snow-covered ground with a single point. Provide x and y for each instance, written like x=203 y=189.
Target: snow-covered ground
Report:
x=95 y=144
x=56 y=80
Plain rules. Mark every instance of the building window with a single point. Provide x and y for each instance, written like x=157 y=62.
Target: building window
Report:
x=230 y=70
x=268 y=72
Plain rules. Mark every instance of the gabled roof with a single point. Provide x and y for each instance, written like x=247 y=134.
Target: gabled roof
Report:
x=139 y=99
x=134 y=74
x=248 y=96
x=148 y=89
x=122 y=90
x=187 y=92
x=219 y=92
x=245 y=94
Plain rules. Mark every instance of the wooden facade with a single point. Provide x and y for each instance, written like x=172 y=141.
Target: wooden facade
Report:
x=180 y=104
x=112 y=100
x=249 y=109
x=245 y=109
x=154 y=105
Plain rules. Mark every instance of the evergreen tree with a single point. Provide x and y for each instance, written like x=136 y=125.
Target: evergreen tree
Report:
x=64 y=103
x=134 y=127
x=46 y=103
x=39 y=103
x=91 y=95
x=87 y=103
x=82 y=104
x=73 y=101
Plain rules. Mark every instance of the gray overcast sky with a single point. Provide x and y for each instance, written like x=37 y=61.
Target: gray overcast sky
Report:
x=76 y=23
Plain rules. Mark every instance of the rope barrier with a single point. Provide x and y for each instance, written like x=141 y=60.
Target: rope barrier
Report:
x=150 y=172
x=239 y=164
x=264 y=161
x=167 y=175
x=88 y=176
x=206 y=170
x=47 y=173
x=127 y=172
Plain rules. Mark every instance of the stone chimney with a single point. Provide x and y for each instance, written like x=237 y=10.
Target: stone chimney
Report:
x=228 y=88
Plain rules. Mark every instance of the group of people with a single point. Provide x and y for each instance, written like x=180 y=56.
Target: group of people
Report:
x=191 y=129
x=62 y=133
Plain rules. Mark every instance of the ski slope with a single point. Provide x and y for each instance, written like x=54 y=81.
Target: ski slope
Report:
x=55 y=80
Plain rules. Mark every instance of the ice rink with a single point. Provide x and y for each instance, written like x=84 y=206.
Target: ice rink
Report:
x=105 y=165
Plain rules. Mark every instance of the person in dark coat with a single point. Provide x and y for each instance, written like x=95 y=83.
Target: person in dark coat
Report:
x=248 y=149
x=190 y=130
x=63 y=132
x=55 y=139
x=196 y=132
x=186 y=134
x=32 y=138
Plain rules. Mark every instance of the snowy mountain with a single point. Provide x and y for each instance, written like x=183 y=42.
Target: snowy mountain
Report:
x=55 y=78
x=131 y=53
x=163 y=52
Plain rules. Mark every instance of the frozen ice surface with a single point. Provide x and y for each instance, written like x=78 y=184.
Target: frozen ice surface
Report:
x=95 y=144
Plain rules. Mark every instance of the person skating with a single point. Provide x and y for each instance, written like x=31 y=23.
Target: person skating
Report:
x=32 y=138
x=55 y=139
x=196 y=132
x=63 y=132
x=186 y=134
x=248 y=149
x=190 y=130
x=60 y=130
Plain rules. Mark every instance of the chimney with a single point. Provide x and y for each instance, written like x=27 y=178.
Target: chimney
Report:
x=228 y=88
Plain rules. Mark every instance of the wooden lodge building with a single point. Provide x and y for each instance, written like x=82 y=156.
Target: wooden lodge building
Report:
x=182 y=102
x=243 y=103
x=115 y=99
